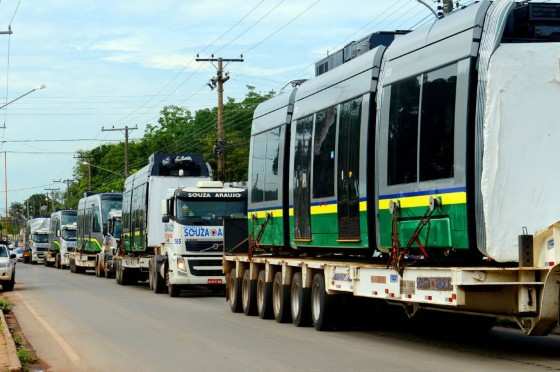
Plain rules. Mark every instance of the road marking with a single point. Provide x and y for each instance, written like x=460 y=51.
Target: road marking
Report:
x=68 y=350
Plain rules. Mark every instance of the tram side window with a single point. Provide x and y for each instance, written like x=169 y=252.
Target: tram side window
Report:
x=265 y=176
x=437 y=123
x=272 y=179
x=258 y=168
x=403 y=131
x=324 y=153
x=96 y=227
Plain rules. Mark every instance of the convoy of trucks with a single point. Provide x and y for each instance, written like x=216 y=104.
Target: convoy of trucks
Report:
x=347 y=201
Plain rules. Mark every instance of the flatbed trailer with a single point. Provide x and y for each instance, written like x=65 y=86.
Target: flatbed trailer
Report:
x=304 y=290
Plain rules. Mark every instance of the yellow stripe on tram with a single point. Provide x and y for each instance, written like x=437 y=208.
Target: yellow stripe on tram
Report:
x=424 y=200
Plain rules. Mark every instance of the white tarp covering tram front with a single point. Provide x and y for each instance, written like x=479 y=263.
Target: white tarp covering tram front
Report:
x=520 y=177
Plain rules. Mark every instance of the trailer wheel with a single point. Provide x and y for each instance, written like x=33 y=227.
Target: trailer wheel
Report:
x=264 y=296
x=233 y=291
x=248 y=294
x=280 y=299
x=322 y=304
x=300 y=299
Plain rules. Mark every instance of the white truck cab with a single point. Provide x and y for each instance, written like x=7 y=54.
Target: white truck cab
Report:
x=67 y=245
x=191 y=254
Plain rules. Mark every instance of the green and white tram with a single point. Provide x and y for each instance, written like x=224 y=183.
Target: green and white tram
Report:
x=418 y=149
x=93 y=215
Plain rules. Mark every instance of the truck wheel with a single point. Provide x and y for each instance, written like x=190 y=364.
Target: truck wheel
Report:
x=174 y=290
x=233 y=292
x=157 y=284
x=248 y=294
x=57 y=261
x=300 y=299
x=280 y=299
x=97 y=268
x=264 y=296
x=322 y=304
x=72 y=266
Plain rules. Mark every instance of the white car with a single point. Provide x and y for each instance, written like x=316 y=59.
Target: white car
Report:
x=7 y=269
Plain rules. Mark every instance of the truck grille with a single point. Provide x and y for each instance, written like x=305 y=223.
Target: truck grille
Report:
x=196 y=267
x=204 y=246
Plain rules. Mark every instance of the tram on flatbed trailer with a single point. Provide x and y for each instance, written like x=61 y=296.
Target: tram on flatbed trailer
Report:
x=410 y=174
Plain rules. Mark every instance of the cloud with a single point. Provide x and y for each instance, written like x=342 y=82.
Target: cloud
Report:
x=126 y=44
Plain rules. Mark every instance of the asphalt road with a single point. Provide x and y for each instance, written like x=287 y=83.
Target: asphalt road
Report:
x=78 y=322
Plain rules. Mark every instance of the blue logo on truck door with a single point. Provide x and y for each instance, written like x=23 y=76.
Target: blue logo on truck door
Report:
x=204 y=233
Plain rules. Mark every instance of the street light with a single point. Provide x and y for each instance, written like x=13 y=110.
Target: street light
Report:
x=103 y=169
x=42 y=86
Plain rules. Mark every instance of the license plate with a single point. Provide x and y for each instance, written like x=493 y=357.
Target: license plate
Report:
x=215 y=281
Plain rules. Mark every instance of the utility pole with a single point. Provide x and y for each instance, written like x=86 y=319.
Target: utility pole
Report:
x=6 y=182
x=218 y=82
x=126 y=129
x=52 y=190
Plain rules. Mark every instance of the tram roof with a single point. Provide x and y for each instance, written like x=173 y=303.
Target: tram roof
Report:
x=469 y=17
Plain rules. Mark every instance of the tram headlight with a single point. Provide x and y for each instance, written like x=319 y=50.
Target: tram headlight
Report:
x=181 y=264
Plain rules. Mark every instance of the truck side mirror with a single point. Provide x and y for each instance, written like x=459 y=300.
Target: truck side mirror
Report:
x=165 y=218
x=13 y=256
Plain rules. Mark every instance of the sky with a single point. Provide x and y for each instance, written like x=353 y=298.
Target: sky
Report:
x=118 y=63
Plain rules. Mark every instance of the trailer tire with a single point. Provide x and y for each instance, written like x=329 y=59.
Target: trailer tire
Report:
x=323 y=305
x=248 y=294
x=280 y=299
x=233 y=291
x=300 y=300
x=264 y=296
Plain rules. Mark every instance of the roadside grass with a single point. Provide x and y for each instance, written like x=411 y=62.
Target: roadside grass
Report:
x=25 y=356
x=5 y=305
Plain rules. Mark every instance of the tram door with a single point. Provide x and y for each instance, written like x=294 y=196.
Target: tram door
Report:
x=302 y=178
x=348 y=176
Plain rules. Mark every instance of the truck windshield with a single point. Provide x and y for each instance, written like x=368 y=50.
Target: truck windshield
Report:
x=40 y=238
x=68 y=218
x=3 y=251
x=69 y=234
x=195 y=212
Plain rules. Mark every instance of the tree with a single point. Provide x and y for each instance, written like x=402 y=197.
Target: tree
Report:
x=177 y=130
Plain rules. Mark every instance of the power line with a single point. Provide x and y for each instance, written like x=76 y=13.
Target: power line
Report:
x=15 y=12
x=58 y=140
x=279 y=29
x=244 y=32
x=176 y=76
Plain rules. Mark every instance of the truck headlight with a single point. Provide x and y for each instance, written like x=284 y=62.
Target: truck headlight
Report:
x=181 y=265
